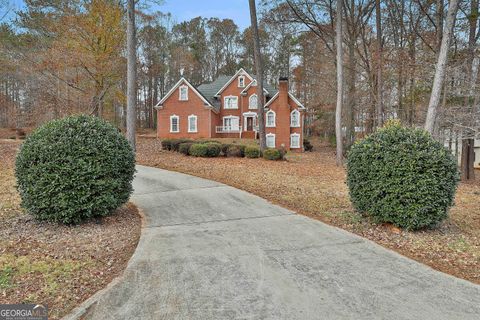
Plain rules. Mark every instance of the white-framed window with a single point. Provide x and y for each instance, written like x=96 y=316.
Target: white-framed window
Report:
x=231 y=122
x=270 y=119
x=270 y=139
x=295 y=119
x=230 y=102
x=241 y=81
x=192 y=123
x=253 y=102
x=174 y=123
x=295 y=140
x=183 y=93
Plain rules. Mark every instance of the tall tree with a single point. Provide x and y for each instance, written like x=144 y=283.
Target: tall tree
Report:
x=131 y=73
x=441 y=67
x=259 y=70
x=338 y=111
x=378 y=20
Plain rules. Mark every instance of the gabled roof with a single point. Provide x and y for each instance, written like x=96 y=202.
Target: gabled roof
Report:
x=183 y=80
x=254 y=83
x=240 y=71
x=290 y=95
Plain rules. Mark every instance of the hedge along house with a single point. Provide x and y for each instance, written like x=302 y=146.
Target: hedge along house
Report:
x=227 y=108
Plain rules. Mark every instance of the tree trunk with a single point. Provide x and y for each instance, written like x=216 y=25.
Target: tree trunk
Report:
x=338 y=111
x=441 y=67
x=259 y=70
x=131 y=73
x=468 y=159
x=350 y=96
x=379 y=65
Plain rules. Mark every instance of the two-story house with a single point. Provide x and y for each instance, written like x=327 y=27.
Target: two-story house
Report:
x=227 y=108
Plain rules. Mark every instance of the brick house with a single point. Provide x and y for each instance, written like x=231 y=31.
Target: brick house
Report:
x=227 y=108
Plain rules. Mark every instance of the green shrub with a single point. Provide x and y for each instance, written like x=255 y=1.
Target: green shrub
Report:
x=175 y=144
x=236 y=150
x=224 y=148
x=167 y=144
x=272 y=154
x=207 y=150
x=402 y=176
x=185 y=148
x=75 y=168
x=252 y=152
x=307 y=145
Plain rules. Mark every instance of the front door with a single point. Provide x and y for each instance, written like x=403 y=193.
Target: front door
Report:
x=249 y=124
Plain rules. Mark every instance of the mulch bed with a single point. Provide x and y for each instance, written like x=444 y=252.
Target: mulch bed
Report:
x=58 y=265
x=311 y=184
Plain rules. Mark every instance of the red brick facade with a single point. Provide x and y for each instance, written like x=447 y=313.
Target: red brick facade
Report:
x=211 y=111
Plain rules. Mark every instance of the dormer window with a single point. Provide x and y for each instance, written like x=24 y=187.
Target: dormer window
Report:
x=183 y=93
x=241 y=81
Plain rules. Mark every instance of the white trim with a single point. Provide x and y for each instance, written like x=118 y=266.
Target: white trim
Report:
x=290 y=95
x=250 y=102
x=274 y=119
x=190 y=117
x=231 y=124
x=225 y=102
x=174 y=116
x=241 y=85
x=183 y=86
x=169 y=93
x=253 y=83
x=295 y=146
x=292 y=125
x=270 y=135
x=239 y=72
x=249 y=115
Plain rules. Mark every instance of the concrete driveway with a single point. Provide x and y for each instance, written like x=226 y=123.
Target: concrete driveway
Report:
x=209 y=251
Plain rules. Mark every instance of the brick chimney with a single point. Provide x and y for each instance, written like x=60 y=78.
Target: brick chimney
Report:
x=283 y=90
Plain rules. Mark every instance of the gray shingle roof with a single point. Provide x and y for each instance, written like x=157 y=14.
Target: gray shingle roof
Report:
x=208 y=90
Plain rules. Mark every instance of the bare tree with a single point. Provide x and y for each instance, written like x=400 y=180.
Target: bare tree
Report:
x=338 y=111
x=441 y=67
x=259 y=70
x=378 y=20
x=131 y=73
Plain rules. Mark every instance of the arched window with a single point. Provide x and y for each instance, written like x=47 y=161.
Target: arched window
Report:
x=270 y=118
x=253 y=102
x=295 y=119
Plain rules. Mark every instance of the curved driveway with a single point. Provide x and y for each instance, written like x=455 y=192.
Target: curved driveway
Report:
x=209 y=251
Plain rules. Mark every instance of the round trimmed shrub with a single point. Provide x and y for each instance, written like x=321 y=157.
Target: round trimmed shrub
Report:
x=402 y=176
x=175 y=144
x=307 y=145
x=167 y=144
x=206 y=150
x=252 y=152
x=236 y=150
x=73 y=169
x=272 y=154
x=185 y=148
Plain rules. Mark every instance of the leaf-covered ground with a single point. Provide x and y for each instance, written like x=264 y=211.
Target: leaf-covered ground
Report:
x=312 y=185
x=57 y=265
